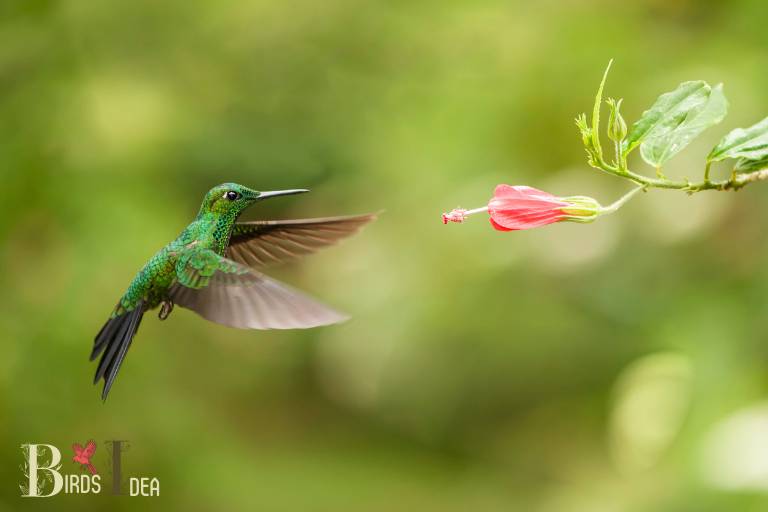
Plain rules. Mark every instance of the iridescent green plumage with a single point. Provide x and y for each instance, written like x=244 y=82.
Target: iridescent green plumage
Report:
x=210 y=268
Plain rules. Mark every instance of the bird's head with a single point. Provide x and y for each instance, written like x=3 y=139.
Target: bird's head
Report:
x=229 y=198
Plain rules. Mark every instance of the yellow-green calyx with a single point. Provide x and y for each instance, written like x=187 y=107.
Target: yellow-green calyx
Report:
x=581 y=209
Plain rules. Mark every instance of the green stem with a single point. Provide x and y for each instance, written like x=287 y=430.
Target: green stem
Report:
x=620 y=202
x=735 y=182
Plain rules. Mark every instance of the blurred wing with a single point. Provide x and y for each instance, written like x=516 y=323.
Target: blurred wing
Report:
x=265 y=242
x=198 y=268
x=236 y=296
x=90 y=448
x=77 y=448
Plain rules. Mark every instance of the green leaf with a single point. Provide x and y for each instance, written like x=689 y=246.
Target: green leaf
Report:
x=748 y=143
x=669 y=108
x=744 y=165
x=596 y=109
x=675 y=132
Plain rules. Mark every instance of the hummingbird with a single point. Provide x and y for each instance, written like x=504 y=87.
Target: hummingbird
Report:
x=213 y=268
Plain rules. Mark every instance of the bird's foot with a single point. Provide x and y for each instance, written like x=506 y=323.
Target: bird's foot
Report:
x=165 y=309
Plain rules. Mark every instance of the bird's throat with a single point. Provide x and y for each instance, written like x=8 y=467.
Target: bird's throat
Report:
x=215 y=229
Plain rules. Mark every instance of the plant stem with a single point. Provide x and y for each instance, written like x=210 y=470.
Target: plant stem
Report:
x=735 y=182
x=620 y=202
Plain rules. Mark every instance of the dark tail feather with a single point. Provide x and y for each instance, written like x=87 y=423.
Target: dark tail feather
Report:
x=113 y=340
x=105 y=334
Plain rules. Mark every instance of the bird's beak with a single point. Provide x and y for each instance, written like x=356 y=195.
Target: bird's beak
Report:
x=275 y=193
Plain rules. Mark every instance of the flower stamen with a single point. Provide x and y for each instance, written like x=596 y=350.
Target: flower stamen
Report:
x=459 y=215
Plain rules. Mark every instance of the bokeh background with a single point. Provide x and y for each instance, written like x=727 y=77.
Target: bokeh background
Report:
x=616 y=366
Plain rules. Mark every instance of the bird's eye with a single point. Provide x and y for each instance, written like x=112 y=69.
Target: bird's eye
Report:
x=232 y=195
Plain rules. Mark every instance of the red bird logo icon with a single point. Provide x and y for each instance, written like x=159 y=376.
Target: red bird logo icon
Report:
x=83 y=455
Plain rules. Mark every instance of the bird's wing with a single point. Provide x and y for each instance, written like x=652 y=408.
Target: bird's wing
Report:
x=77 y=448
x=264 y=242
x=199 y=268
x=228 y=293
x=90 y=448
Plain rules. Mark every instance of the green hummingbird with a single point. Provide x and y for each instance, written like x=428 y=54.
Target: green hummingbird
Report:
x=212 y=269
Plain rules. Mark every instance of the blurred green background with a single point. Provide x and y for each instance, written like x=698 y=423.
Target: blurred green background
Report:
x=615 y=366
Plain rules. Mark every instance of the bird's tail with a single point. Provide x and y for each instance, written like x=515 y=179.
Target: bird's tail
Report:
x=113 y=340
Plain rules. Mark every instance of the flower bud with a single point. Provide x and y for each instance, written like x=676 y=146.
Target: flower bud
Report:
x=617 y=127
x=515 y=208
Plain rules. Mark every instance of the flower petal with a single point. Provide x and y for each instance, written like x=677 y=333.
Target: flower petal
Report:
x=522 y=192
x=516 y=220
x=497 y=226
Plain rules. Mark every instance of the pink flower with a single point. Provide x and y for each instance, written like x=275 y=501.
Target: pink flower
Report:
x=513 y=208
x=519 y=207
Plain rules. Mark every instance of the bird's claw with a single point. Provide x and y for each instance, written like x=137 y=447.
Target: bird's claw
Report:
x=165 y=309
